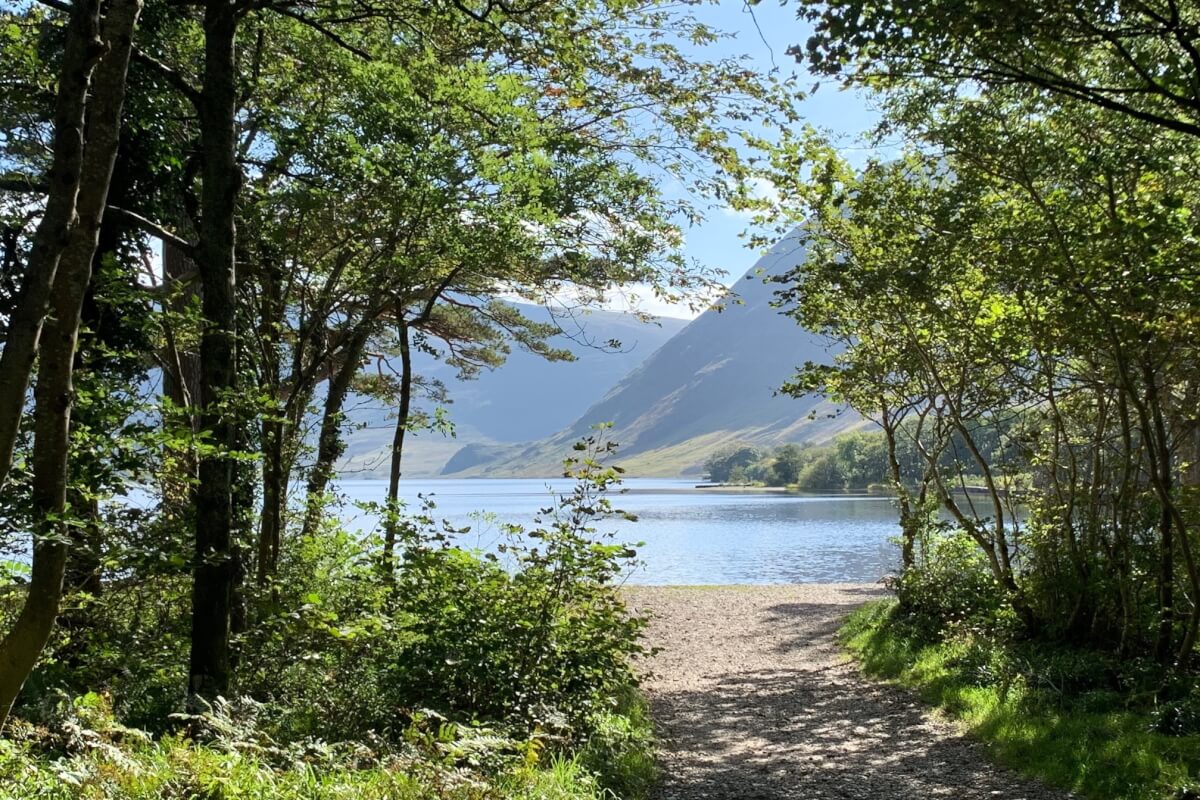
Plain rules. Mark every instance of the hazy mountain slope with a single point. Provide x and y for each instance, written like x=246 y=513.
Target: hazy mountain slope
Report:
x=713 y=383
x=526 y=399
x=529 y=398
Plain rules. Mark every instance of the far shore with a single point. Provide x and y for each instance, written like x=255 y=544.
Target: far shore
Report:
x=723 y=488
x=720 y=488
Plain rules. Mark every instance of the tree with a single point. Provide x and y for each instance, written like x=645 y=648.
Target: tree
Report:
x=332 y=190
x=81 y=51
x=789 y=460
x=722 y=464
x=70 y=270
x=975 y=294
x=1140 y=59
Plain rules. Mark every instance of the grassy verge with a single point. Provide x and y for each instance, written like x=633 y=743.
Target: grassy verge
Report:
x=92 y=758
x=620 y=752
x=1047 y=713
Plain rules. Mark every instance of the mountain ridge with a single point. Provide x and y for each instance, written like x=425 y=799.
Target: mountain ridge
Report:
x=526 y=399
x=715 y=382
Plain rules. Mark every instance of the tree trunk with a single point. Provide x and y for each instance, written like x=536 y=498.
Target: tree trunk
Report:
x=330 y=444
x=82 y=50
x=214 y=570
x=908 y=520
x=270 y=530
x=181 y=372
x=391 y=528
x=20 y=649
x=274 y=471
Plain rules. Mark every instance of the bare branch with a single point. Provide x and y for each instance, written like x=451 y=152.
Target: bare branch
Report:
x=151 y=227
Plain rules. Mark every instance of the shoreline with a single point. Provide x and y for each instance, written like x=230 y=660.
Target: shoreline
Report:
x=765 y=490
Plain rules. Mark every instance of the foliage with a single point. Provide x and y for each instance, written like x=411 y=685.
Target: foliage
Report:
x=852 y=462
x=1077 y=719
x=540 y=637
x=477 y=674
x=950 y=585
x=300 y=198
x=620 y=748
x=1011 y=296
x=722 y=465
x=89 y=756
x=1010 y=289
x=1099 y=54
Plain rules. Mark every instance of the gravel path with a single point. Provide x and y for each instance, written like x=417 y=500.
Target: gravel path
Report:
x=755 y=701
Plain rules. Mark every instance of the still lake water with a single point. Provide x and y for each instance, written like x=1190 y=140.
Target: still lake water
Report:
x=690 y=537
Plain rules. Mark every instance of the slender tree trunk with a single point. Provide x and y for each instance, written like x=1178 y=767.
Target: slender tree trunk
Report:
x=82 y=50
x=243 y=504
x=181 y=373
x=1158 y=451
x=274 y=472
x=84 y=567
x=330 y=444
x=908 y=520
x=1166 y=587
x=181 y=385
x=391 y=530
x=53 y=397
x=215 y=570
x=82 y=582
x=271 y=525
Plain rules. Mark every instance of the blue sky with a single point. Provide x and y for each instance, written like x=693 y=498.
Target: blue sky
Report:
x=716 y=243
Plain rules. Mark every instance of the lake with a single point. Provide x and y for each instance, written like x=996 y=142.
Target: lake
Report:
x=690 y=537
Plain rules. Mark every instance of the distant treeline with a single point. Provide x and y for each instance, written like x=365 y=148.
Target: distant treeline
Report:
x=850 y=463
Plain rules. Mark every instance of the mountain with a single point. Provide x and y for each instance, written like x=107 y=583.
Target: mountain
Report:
x=529 y=398
x=711 y=384
x=526 y=399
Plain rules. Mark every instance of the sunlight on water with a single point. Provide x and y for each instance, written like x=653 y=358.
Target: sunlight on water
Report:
x=690 y=537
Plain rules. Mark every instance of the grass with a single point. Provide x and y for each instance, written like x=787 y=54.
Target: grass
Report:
x=620 y=752
x=1089 y=739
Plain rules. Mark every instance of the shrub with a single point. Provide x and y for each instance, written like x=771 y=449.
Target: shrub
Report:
x=534 y=637
x=547 y=643
x=950 y=585
x=464 y=674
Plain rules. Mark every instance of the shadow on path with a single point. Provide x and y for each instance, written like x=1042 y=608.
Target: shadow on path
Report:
x=754 y=699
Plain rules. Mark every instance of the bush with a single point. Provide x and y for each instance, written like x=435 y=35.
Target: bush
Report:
x=951 y=584
x=548 y=643
x=532 y=638
x=326 y=656
x=463 y=674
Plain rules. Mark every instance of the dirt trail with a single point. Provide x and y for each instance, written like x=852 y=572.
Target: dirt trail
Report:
x=755 y=701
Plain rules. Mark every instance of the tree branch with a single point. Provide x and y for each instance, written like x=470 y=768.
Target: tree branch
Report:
x=170 y=75
x=151 y=227
x=324 y=31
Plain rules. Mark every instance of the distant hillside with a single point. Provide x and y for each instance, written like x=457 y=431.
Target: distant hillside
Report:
x=526 y=399
x=711 y=384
